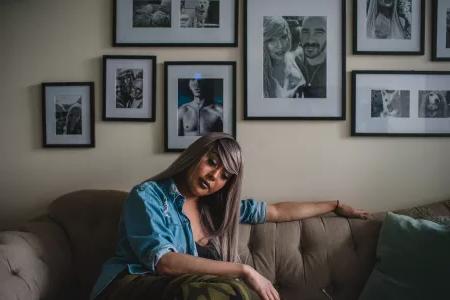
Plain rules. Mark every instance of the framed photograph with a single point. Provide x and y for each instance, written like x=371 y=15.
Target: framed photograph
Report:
x=440 y=45
x=294 y=60
x=129 y=88
x=68 y=114
x=199 y=23
x=200 y=97
x=401 y=103
x=393 y=27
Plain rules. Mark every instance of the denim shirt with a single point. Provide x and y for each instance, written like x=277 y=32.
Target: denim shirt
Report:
x=152 y=223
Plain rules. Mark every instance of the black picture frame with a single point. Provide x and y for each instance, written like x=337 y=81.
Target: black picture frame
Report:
x=218 y=78
x=225 y=35
x=259 y=107
x=61 y=100
x=140 y=73
x=440 y=50
x=400 y=103
x=367 y=45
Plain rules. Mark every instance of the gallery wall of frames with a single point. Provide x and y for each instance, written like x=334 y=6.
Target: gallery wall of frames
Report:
x=294 y=68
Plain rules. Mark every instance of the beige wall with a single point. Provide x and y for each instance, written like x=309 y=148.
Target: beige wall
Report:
x=63 y=40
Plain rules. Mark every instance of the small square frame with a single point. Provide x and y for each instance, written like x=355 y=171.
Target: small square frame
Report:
x=68 y=114
x=129 y=88
x=216 y=79
x=440 y=30
x=409 y=35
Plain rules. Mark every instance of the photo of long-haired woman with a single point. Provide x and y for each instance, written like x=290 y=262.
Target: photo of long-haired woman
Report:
x=282 y=75
x=388 y=19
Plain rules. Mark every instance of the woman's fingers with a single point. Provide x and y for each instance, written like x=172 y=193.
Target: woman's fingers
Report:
x=274 y=293
x=268 y=295
x=269 y=292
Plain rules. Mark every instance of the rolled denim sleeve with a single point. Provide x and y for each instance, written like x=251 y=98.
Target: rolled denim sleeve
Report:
x=145 y=226
x=252 y=212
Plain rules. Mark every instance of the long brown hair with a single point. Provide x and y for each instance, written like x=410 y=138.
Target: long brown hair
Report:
x=396 y=30
x=273 y=27
x=219 y=212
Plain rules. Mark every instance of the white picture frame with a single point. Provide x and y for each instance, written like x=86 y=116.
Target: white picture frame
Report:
x=440 y=44
x=400 y=33
x=401 y=103
x=129 y=88
x=68 y=114
x=188 y=116
x=175 y=23
x=319 y=75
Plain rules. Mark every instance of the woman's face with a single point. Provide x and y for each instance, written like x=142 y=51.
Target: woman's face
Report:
x=207 y=177
x=278 y=45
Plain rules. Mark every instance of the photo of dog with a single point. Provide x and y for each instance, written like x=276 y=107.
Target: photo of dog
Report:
x=390 y=103
x=433 y=104
x=199 y=13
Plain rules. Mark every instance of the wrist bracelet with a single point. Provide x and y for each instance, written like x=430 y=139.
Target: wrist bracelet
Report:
x=337 y=205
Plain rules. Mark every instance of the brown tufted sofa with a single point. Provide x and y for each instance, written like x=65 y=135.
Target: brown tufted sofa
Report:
x=59 y=256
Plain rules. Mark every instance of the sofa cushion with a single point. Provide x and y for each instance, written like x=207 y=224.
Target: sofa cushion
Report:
x=413 y=260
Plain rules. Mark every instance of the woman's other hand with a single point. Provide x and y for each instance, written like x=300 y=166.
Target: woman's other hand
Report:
x=350 y=212
x=261 y=285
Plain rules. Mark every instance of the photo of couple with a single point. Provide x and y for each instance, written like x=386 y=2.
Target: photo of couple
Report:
x=295 y=57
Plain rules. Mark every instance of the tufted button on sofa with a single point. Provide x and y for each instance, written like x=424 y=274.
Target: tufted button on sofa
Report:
x=59 y=256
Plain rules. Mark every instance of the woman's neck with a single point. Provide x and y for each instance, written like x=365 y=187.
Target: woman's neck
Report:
x=182 y=187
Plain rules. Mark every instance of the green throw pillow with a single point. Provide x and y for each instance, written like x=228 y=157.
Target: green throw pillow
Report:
x=413 y=261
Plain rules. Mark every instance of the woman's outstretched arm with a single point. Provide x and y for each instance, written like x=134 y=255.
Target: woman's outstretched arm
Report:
x=291 y=211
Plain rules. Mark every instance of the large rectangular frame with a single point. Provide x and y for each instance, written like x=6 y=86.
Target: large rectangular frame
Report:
x=126 y=35
x=376 y=113
x=259 y=107
x=381 y=46
x=440 y=31
x=75 y=99
x=177 y=73
x=144 y=80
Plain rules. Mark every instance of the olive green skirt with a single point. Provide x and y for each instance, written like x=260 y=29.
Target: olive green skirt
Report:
x=185 y=287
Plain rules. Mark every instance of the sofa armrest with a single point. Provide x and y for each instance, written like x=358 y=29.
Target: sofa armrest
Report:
x=34 y=261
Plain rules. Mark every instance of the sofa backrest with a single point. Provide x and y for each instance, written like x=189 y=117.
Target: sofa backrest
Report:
x=90 y=219
x=315 y=257
x=310 y=257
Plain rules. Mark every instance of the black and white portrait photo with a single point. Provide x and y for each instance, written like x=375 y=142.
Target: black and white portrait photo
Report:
x=447 y=33
x=199 y=13
x=434 y=104
x=390 y=103
x=129 y=86
x=68 y=114
x=200 y=106
x=152 y=13
x=388 y=19
x=295 y=57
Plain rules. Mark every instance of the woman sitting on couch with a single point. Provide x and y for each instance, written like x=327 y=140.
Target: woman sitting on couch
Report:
x=183 y=223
